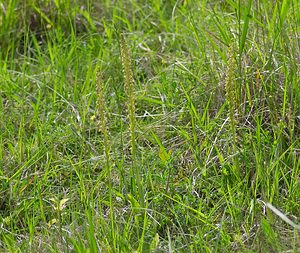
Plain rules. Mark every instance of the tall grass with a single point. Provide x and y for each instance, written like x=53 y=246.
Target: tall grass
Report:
x=180 y=133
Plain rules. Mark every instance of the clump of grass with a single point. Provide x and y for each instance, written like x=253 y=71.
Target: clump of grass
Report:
x=193 y=202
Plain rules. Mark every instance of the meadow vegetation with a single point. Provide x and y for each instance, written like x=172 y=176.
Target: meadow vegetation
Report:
x=150 y=126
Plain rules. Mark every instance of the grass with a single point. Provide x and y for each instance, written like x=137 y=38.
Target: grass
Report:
x=149 y=126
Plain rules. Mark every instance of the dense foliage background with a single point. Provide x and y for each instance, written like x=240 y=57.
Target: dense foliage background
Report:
x=149 y=126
